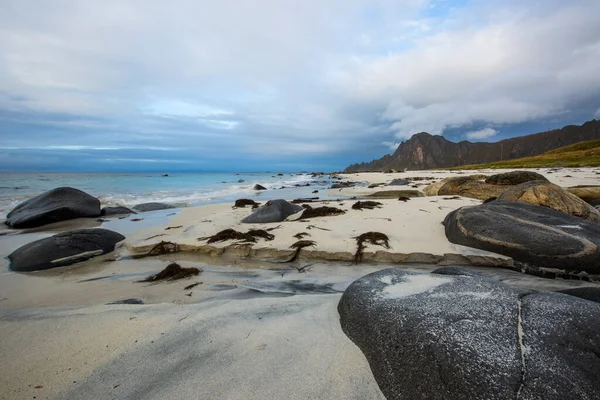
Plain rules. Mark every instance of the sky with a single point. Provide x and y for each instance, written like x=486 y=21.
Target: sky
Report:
x=287 y=85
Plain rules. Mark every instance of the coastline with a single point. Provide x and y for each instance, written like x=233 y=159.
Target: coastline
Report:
x=254 y=328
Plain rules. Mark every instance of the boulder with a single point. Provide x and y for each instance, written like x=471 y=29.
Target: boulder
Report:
x=515 y=178
x=466 y=186
x=63 y=249
x=56 y=205
x=272 y=211
x=591 y=293
x=434 y=188
x=430 y=336
x=118 y=210
x=144 y=207
x=391 y=194
x=259 y=187
x=399 y=182
x=587 y=193
x=553 y=196
x=539 y=236
x=341 y=185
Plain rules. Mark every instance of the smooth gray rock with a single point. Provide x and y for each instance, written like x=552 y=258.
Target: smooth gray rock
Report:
x=272 y=211
x=586 y=292
x=399 y=182
x=515 y=178
x=152 y=207
x=431 y=336
x=259 y=187
x=539 y=236
x=119 y=210
x=63 y=249
x=56 y=205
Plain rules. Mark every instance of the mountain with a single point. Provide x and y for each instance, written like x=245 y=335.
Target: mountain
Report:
x=425 y=151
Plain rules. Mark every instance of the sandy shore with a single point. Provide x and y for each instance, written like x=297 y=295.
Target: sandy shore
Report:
x=254 y=328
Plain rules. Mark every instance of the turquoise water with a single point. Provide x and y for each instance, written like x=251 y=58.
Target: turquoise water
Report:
x=187 y=189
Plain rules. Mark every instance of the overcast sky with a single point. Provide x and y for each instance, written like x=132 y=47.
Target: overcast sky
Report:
x=256 y=85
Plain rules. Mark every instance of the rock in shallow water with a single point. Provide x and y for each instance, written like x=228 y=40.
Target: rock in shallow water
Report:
x=119 y=210
x=56 y=205
x=456 y=336
x=540 y=236
x=152 y=207
x=63 y=249
x=272 y=211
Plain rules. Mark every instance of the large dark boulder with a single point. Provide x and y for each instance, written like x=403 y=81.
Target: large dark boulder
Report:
x=547 y=194
x=430 y=336
x=515 y=178
x=394 y=194
x=539 y=236
x=56 y=205
x=272 y=211
x=63 y=249
x=118 y=210
x=152 y=207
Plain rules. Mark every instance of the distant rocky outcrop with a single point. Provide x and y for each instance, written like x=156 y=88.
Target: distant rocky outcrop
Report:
x=55 y=205
x=455 y=336
x=63 y=249
x=425 y=151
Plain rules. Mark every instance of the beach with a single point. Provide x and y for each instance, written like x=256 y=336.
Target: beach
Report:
x=259 y=324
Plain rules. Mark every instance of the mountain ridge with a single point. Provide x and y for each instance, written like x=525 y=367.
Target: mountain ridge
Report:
x=426 y=151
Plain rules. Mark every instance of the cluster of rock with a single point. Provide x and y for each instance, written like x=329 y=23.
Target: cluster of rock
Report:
x=524 y=216
x=62 y=204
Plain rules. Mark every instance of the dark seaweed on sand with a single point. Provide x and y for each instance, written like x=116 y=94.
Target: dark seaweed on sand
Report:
x=241 y=203
x=323 y=211
x=232 y=234
x=301 y=235
x=173 y=272
x=160 y=248
x=369 y=205
x=305 y=200
x=403 y=198
x=375 y=238
x=299 y=245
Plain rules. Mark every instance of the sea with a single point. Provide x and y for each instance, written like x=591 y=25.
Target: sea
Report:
x=179 y=189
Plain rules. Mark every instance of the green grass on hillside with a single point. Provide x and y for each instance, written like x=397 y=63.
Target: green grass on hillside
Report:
x=582 y=154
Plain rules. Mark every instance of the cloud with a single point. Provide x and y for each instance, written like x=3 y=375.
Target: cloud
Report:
x=484 y=133
x=295 y=82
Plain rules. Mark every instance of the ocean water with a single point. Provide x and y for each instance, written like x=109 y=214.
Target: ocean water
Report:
x=181 y=189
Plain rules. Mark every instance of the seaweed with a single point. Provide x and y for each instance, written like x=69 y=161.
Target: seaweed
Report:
x=173 y=272
x=369 y=205
x=260 y=233
x=375 y=238
x=188 y=287
x=173 y=227
x=232 y=234
x=158 y=249
x=323 y=211
x=451 y=198
x=403 y=198
x=301 y=235
x=241 y=203
x=299 y=245
x=305 y=200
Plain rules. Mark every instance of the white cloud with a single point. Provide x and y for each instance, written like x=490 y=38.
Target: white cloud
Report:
x=484 y=133
x=298 y=76
x=391 y=145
